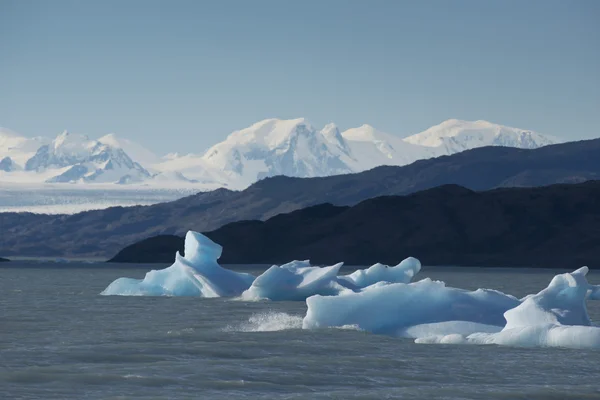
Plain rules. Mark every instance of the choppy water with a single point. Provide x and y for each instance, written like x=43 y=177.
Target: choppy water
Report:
x=60 y=340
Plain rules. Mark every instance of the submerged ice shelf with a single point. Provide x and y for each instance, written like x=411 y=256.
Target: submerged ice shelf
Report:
x=382 y=299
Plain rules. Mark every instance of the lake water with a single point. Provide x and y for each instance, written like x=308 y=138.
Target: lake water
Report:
x=60 y=340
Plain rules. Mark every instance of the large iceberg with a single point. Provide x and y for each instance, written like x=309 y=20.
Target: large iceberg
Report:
x=430 y=312
x=392 y=308
x=196 y=274
x=382 y=299
x=199 y=274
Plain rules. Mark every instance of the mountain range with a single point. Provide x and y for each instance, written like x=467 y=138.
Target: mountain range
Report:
x=552 y=227
x=267 y=148
x=102 y=233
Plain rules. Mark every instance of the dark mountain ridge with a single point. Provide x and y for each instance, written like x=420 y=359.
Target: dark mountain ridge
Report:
x=556 y=226
x=103 y=232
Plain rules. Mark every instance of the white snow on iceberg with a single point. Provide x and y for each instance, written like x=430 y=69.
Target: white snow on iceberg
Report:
x=196 y=274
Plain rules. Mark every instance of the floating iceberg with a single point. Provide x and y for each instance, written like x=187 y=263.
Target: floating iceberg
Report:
x=401 y=273
x=430 y=312
x=299 y=280
x=295 y=281
x=196 y=274
x=199 y=274
x=382 y=299
x=392 y=308
x=555 y=317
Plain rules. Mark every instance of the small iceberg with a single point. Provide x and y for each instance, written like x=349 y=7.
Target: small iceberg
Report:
x=196 y=274
x=299 y=280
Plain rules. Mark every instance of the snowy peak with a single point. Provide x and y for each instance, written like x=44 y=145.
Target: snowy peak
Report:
x=270 y=133
x=277 y=147
x=134 y=150
x=333 y=136
x=76 y=158
x=456 y=135
x=364 y=133
x=73 y=145
x=292 y=147
x=18 y=148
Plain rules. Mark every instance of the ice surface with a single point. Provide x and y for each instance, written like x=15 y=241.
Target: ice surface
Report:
x=298 y=280
x=430 y=312
x=392 y=308
x=199 y=274
x=382 y=299
x=196 y=274
x=401 y=273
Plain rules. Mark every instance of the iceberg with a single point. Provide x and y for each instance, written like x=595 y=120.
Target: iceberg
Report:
x=196 y=274
x=430 y=312
x=383 y=300
x=391 y=308
x=555 y=317
x=401 y=273
x=298 y=280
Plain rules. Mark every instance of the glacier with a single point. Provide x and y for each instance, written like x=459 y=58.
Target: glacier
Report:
x=385 y=300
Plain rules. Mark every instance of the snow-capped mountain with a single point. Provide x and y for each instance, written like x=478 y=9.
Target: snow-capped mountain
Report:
x=453 y=136
x=267 y=148
x=371 y=148
x=276 y=147
x=79 y=159
x=134 y=150
x=18 y=148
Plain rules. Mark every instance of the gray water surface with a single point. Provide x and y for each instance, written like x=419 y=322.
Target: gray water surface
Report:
x=60 y=340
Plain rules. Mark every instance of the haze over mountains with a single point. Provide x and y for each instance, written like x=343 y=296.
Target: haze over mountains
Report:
x=268 y=148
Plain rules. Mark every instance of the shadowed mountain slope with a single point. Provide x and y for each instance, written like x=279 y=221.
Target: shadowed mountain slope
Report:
x=104 y=232
x=553 y=226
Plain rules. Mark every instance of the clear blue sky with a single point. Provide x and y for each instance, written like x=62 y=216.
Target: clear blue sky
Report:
x=180 y=75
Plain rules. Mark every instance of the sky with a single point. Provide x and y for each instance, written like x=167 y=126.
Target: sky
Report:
x=181 y=75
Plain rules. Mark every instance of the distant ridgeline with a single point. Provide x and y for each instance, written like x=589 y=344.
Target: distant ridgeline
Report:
x=449 y=225
x=555 y=226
